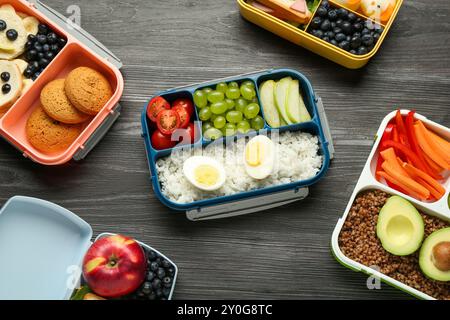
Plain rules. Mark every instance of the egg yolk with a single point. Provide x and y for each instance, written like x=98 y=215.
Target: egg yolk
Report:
x=255 y=154
x=206 y=175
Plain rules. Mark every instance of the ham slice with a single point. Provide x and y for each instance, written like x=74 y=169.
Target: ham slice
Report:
x=300 y=6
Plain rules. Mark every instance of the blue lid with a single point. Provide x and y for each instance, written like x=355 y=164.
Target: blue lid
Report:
x=40 y=244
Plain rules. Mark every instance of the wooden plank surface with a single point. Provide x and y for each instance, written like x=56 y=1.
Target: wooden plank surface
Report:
x=285 y=252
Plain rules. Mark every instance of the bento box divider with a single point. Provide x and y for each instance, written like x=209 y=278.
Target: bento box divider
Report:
x=77 y=32
x=247 y=206
x=325 y=126
x=99 y=133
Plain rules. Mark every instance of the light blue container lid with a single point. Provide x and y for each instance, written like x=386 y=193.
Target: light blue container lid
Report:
x=41 y=249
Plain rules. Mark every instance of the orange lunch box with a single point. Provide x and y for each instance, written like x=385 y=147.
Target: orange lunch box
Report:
x=308 y=41
x=81 y=50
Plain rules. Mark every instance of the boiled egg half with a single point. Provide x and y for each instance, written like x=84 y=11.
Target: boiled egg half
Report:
x=259 y=157
x=204 y=173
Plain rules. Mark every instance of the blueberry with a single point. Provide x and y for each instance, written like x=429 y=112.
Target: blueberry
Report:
x=161 y=273
x=42 y=39
x=358 y=27
x=166 y=264
x=346 y=27
x=42 y=29
x=158 y=261
x=5 y=76
x=159 y=293
x=150 y=276
x=12 y=35
x=166 y=292
x=326 y=25
x=152 y=296
x=348 y=38
x=322 y=11
x=43 y=62
x=365 y=31
x=46 y=48
x=325 y=4
x=156 y=283
x=334 y=42
x=332 y=15
x=355 y=42
x=171 y=272
x=319 y=33
x=31 y=37
x=339 y=23
x=38 y=47
x=333 y=24
x=352 y=51
x=35 y=76
x=54 y=48
x=146 y=288
x=367 y=40
x=337 y=30
x=362 y=50
x=352 y=17
x=29 y=45
x=327 y=39
x=3 y=25
x=28 y=73
x=376 y=36
x=342 y=13
x=40 y=55
x=154 y=266
x=62 y=42
x=49 y=55
x=6 y=88
x=330 y=34
x=52 y=38
x=316 y=22
x=167 y=282
x=344 y=45
x=340 y=37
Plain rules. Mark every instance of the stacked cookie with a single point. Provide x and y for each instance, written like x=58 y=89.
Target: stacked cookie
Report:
x=66 y=106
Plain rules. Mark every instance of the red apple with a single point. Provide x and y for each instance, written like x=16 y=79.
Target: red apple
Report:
x=114 y=266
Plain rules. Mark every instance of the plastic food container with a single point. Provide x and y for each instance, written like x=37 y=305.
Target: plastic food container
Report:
x=310 y=42
x=81 y=50
x=43 y=263
x=367 y=181
x=257 y=200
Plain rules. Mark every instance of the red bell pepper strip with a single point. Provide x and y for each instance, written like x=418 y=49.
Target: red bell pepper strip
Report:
x=402 y=135
x=387 y=135
x=416 y=148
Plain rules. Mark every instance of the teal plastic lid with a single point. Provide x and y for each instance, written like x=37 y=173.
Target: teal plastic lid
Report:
x=41 y=247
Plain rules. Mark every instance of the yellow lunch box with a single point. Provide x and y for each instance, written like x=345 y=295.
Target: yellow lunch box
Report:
x=302 y=38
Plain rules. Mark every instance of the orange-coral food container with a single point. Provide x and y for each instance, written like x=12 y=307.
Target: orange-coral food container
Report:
x=81 y=49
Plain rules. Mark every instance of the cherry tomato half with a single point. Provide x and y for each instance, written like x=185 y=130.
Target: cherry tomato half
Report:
x=155 y=106
x=160 y=141
x=185 y=118
x=186 y=104
x=168 y=121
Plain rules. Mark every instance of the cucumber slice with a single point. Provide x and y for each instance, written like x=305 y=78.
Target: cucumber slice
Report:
x=268 y=104
x=281 y=92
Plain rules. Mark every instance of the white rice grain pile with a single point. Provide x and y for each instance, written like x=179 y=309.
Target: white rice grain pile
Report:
x=297 y=160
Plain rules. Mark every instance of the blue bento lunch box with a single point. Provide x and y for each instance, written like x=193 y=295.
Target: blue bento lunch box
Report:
x=42 y=246
x=255 y=200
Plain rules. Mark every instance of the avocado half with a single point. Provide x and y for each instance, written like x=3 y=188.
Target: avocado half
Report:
x=434 y=259
x=400 y=227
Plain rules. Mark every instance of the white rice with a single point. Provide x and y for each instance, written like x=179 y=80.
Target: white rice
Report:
x=297 y=160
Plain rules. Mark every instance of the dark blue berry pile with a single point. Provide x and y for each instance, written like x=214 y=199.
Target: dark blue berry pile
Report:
x=344 y=29
x=40 y=50
x=159 y=281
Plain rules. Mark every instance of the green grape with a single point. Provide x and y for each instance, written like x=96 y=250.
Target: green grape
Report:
x=233 y=85
x=205 y=114
x=219 y=107
x=222 y=87
x=233 y=93
x=251 y=110
x=240 y=104
x=255 y=100
x=206 y=91
x=243 y=126
x=248 y=93
x=258 y=123
x=206 y=125
x=230 y=104
x=249 y=84
x=220 y=122
x=200 y=99
x=213 y=134
x=215 y=96
x=229 y=130
x=234 y=116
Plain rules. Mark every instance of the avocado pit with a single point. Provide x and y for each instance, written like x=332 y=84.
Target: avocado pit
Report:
x=441 y=256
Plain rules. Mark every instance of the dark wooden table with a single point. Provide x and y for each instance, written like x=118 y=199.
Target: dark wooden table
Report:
x=283 y=253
